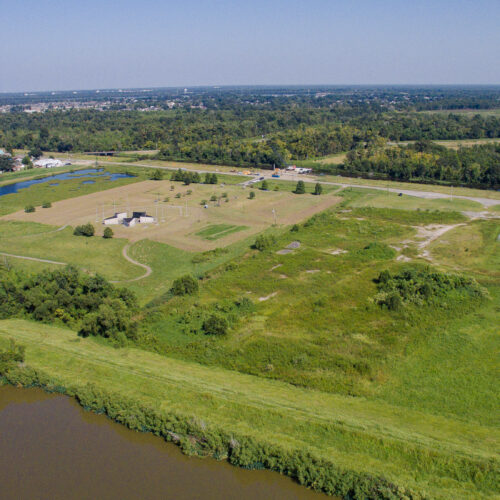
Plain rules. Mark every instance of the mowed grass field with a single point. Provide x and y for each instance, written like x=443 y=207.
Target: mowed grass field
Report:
x=95 y=255
x=180 y=211
x=407 y=446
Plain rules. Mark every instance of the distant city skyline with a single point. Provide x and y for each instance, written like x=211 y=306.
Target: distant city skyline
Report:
x=57 y=45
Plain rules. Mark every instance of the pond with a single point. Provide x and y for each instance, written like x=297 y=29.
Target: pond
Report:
x=77 y=174
x=51 y=448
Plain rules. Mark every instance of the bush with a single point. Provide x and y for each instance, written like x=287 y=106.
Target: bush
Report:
x=215 y=325
x=423 y=286
x=264 y=186
x=11 y=356
x=251 y=196
x=300 y=188
x=263 y=242
x=108 y=233
x=29 y=209
x=185 y=285
x=318 y=189
x=213 y=198
x=295 y=228
x=46 y=204
x=84 y=230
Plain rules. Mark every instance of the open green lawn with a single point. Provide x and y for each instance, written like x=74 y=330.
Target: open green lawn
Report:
x=382 y=199
x=473 y=248
x=93 y=254
x=433 y=454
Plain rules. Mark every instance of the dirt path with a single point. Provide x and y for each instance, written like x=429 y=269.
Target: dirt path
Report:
x=428 y=234
x=131 y=260
x=33 y=258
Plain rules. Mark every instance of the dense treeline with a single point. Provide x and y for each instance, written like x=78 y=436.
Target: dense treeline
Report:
x=477 y=166
x=246 y=134
x=87 y=303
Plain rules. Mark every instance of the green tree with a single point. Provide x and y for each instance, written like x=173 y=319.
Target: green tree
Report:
x=251 y=196
x=215 y=324
x=157 y=175
x=300 y=188
x=35 y=153
x=84 y=230
x=27 y=162
x=29 y=209
x=108 y=233
x=185 y=285
x=264 y=186
x=318 y=189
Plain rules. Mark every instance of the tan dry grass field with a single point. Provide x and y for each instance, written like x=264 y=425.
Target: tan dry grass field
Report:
x=174 y=227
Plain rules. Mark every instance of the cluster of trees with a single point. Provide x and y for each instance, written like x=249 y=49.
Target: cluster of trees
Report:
x=88 y=303
x=472 y=166
x=85 y=230
x=189 y=177
x=423 y=286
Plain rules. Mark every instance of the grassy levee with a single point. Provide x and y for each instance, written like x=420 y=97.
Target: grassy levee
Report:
x=341 y=440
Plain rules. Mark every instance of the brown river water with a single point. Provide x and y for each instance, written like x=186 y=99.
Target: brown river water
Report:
x=50 y=448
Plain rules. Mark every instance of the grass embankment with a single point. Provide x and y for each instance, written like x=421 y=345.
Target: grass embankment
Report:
x=439 y=457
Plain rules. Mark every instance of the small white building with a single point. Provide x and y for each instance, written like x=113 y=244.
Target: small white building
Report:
x=137 y=218
x=115 y=219
x=48 y=163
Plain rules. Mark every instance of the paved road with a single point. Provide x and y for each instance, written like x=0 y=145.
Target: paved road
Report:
x=486 y=202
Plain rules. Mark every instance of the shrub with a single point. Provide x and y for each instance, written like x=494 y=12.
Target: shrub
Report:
x=264 y=186
x=213 y=198
x=295 y=228
x=251 y=196
x=203 y=202
x=276 y=188
x=108 y=233
x=46 y=204
x=263 y=242
x=178 y=195
x=185 y=285
x=29 y=209
x=215 y=324
x=11 y=356
x=318 y=189
x=300 y=188
x=423 y=286
x=84 y=230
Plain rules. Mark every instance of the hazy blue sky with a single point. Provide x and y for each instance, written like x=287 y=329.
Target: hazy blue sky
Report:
x=80 y=44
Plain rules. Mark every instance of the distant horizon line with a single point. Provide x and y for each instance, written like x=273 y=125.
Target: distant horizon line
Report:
x=273 y=85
